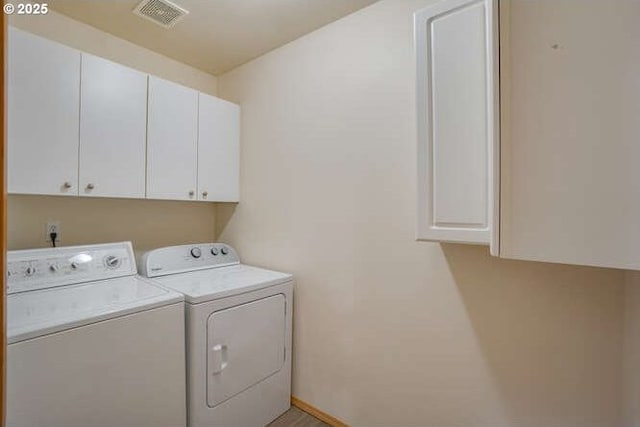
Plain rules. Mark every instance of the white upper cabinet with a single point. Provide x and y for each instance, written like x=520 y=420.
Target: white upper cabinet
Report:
x=43 y=115
x=113 y=129
x=570 y=75
x=455 y=54
x=172 y=139
x=218 y=149
x=81 y=125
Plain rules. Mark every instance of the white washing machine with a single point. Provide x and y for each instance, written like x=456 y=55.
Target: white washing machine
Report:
x=238 y=321
x=90 y=343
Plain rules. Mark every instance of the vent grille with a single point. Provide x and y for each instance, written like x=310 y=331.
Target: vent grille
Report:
x=162 y=12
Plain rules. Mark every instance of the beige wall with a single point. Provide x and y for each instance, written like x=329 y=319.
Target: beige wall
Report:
x=631 y=365
x=389 y=331
x=147 y=223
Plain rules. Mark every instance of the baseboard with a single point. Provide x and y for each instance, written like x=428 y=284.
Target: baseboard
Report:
x=312 y=410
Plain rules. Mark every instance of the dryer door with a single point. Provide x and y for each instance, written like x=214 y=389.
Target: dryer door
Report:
x=245 y=345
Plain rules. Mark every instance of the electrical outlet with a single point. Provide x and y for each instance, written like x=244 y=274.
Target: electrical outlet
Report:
x=53 y=227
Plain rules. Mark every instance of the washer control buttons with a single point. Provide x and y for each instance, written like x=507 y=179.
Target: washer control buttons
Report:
x=112 y=261
x=214 y=251
x=224 y=250
x=196 y=253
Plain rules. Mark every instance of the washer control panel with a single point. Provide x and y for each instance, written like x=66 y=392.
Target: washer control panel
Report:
x=180 y=259
x=33 y=269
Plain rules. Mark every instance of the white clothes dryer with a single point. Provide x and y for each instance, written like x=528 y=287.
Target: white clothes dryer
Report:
x=90 y=343
x=238 y=327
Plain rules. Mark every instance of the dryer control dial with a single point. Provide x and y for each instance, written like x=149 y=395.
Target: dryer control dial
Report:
x=214 y=251
x=196 y=252
x=224 y=250
x=112 y=261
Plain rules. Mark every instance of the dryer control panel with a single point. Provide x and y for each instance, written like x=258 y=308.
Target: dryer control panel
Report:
x=180 y=259
x=32 y=269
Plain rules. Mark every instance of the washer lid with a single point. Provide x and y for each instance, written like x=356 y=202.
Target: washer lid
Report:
x=214 y=283
x=42 y=312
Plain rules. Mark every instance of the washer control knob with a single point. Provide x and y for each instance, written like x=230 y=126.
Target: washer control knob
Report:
x=53 y=268
x=30 y=271
x=214 y=251
x=224 y=250
x=74 y=265
x=196 y=253
x=112 y=261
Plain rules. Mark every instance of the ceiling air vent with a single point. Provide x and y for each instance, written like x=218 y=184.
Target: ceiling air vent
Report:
x=162 y=12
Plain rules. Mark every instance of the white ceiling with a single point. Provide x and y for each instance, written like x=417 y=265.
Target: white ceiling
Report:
x=216 y=35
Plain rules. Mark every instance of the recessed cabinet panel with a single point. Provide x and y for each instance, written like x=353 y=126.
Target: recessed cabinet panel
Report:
x=570 y=159
x=459 y=114
x=454 y=47
x=43 y=115
x=218 y=149
x=112 y=129
x=172 y=141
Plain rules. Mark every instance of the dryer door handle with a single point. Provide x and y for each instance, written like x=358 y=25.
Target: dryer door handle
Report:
x=218 y=358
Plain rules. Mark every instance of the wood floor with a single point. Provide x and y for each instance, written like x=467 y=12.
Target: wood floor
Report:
x=294 y=417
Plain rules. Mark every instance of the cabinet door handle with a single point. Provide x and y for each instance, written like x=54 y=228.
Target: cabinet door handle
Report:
x=67 y=184
x=205 y=194
x=90 y=186
x=191 y=193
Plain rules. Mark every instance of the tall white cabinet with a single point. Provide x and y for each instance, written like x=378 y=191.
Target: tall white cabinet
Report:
x=113 y=130
x=218 y=149
x=571 y=147
x=455 y=43
x=172 y=141
x=43 y=115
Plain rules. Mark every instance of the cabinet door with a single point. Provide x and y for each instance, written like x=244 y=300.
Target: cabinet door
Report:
x=454 y=42
x=43 y=115
x=218 y=149
x=172 y=141
x=113 y=129
x=571 y=119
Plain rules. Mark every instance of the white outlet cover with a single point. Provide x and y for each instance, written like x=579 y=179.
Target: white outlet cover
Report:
x=49 y=228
